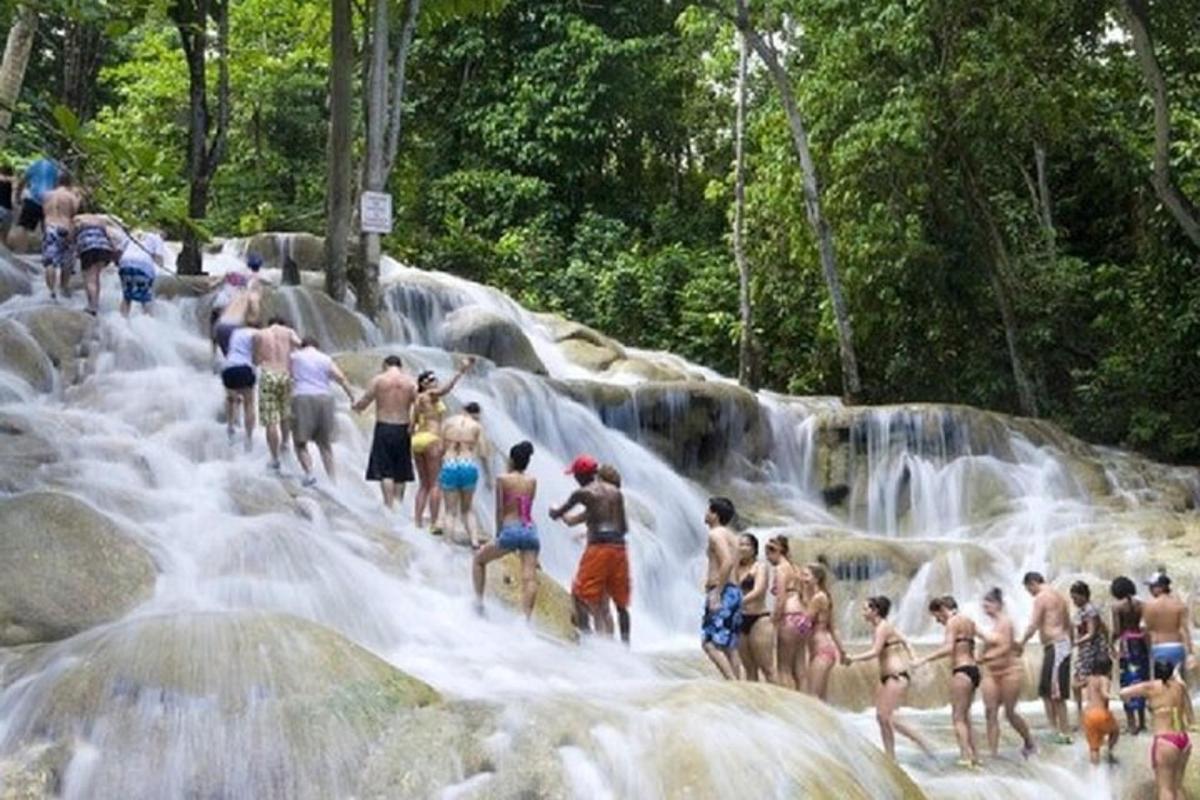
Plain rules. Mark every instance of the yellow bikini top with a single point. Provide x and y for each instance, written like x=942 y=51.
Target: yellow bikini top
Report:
x=439 y=407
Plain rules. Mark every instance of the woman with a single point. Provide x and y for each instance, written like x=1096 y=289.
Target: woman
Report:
x=756 y=642
x=428 y=413
x=964 y=674
x=516 y=532
x=1002 y=677
x=793 y=628
x=1170 y=713
x=826 y=650
x=894 y=654
x=1091 y=638
x=1131 y=650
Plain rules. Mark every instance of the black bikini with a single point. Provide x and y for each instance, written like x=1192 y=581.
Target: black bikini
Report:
x=895 y=676
x=971 y=671
x=748 y=621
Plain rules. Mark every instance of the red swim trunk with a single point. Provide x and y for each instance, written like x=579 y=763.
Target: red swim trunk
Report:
x=603 y=572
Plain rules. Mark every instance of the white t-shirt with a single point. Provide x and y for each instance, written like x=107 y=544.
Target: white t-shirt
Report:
x=241 y=348
x=310 y=372
x=140 y=254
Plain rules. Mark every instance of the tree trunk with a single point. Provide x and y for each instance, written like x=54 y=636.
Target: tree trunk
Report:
x=746 y=371
x=1137 y=16
x=367 y=276
x=16 y=58
x=851 y=385
x=341 y=129
x=82 y=42
x=398 y=85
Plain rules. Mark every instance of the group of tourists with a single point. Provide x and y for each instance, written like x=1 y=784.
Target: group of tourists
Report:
x=50 y=199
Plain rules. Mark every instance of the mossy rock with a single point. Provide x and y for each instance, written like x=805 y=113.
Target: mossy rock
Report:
x=588 y=355
x=475 y=329
x=553 y=608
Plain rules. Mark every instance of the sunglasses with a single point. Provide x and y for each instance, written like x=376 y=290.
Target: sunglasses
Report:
x=772 y=549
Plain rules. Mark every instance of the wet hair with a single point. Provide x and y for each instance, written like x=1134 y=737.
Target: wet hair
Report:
x=880 y=605
x=65 y=179
x=1122 y=588
x=753 y=540
x=519 y=454
x=780 y=543
x=1033 y=577
x=1081 y=589
x=471 y=408
x=393 y=361
x=1102 y=665
x=820 y=574
x=277 y=321
x=309 y=341
x=608 y=473
x=723 y=508
x=994 y=595
x=425 y=378
x=944 y=603
x=1163 y=671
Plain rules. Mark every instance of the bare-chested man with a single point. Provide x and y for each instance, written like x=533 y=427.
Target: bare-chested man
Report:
x=603 y=572
x=392 y=391
x=59 y=206
x=273 y=348
x=1052 y=623
x=466 y=451
x=722 y=617
x=1168 y=626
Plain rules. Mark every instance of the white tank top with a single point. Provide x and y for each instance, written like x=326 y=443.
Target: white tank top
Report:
x=310 y=372
x=241 y=348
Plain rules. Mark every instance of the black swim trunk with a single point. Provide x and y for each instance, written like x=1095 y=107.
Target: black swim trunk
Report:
x=391 y=453
x=96 y=257
x=1056 y=665
x=239 y=377
x=971 y=671
x=31 y=214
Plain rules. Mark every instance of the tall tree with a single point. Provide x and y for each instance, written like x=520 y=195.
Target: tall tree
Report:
x=206 y=148
x=16 y=58
x=746 y=371
x=341 y=129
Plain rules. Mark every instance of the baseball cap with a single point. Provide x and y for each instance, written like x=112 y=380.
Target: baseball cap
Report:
x=1159 y=579
x=582 y=465
x=254 y=261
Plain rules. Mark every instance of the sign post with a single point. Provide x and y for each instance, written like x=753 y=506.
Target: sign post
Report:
x=375 y=212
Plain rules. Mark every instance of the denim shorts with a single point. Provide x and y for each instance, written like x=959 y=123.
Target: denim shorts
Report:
x=519 y=536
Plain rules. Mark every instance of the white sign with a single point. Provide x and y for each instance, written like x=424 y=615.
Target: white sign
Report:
x=375 y=211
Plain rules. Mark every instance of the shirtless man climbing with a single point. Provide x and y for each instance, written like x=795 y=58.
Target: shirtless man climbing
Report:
x=273 y=348
x=1052 y=622
x=603 y=572
x=1167 y=625
x=722 y=598
x=392 y=391
x=466 y=451
x=60 y=205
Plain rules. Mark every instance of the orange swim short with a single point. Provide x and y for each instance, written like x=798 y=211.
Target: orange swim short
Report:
x=603 y=572
x=1098 y=725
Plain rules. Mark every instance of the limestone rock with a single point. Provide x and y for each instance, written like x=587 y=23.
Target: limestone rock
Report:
x=171 y=287
x=64 y=567
x=553 y=608
x=23 y=450
x=474 y=329
x=645 y=369
x=314 y=313
x=305 y=249
x=588 y=355
x=21 y=355
x=60 y=332
x=697 y=425
x=15 y=276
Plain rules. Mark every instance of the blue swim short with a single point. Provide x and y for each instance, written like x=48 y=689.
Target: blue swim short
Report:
x=136 y=285
x=459 y=475
x=721 y=626
x=518 y=536
x=57 y=250
x=1172 y=653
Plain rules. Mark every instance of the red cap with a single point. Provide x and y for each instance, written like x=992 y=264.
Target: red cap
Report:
x=582 y=465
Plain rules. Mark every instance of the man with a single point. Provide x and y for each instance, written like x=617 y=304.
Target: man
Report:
x=143 y=254
x=722 y=598
x=95 y=237
x=1167 y=624
x=392 y=391
x=273 y=346
x=238 y=301
x=603 y=572
x=56 y=211
x=466 y=450
x=39 y=180
x=1052 y=622
x=312 y=406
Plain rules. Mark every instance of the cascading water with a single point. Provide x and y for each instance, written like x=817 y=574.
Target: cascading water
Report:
x=261 y=662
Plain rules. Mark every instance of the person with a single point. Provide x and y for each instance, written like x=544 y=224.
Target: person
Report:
x=1052 y=623
x=1171 y=715
x=603 y=572
x=1167 y=624
x=273 y=347
x=793 y=626
x=312 y=406
x=428 y=413
x=1130 y=648
x=95 y=237
x=1091 y=638
x=964 y=675
x=722 y=613
x=8 y=185
x=40 y=178
x=391 y=462
x=894 y=654
x=238 y=301
x=1002 y=675
x=56 y=212
x=466 y=453
x=515 y=531
x=826 y=650
x=1097 y=721
x=141 y=256
x=756 y=639
x=238 y=377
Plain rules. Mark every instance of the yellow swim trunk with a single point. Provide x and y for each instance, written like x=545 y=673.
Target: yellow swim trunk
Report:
x=274 y=397
x=423 y=441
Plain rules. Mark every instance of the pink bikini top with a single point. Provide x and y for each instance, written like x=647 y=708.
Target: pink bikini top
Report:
x=524 y=506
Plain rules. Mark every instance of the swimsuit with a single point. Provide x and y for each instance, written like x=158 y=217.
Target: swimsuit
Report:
x=971 y=671
x=459 y=475
x=1098 y=725
x=748 y=621
x=137 y=285
x=603 y=572
x=1134 y=664
x=274 y=397
x=391 y=453
x=1172 y=653
x=93 y=245
x=423 y=440
x=720 y=626
x=1090 y=651
x=56 y=248
x=799 y=622
x=1177 y=739
x=1056 y=668
x=521 y=534
x=895 y=676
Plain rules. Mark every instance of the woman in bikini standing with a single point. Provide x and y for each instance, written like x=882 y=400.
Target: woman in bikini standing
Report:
x=826 y=649
x=793 y=627
x=1002 y=676
x=894 y=654
x=428 y=412
x=1170 y=714
x=964 y=674
x=756 y=642
x=515 y=529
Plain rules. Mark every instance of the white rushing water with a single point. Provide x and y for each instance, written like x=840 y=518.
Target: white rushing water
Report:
x=139 y=439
